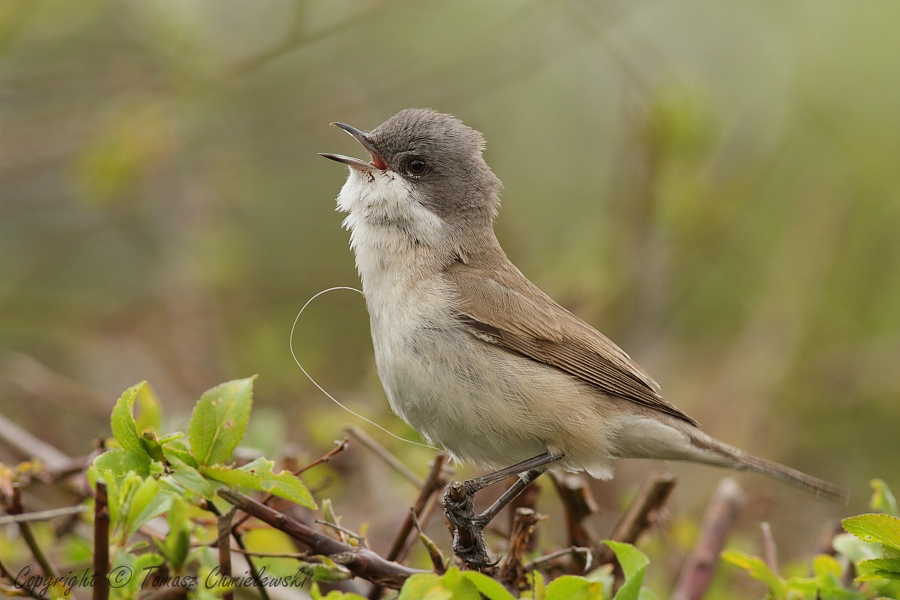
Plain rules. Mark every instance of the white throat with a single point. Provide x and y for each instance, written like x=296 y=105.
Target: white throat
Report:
x=396 y=239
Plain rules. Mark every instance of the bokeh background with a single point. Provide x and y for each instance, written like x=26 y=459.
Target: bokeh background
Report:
x=714 y=185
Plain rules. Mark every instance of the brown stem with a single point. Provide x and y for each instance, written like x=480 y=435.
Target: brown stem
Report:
x=340 y=447
x=770 y=551
x=101 y=543
x=224 y=543
x=579 y=505
x=512 y=571
x=239 y=540
x=642 y=513
x=362 y=562
x=15 y=508
x=720 y=517
x=433 y=482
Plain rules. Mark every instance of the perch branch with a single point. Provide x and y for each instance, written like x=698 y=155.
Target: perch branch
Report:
x=362 y=562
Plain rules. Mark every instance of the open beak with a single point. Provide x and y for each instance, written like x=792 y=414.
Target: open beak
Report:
x=361 y=165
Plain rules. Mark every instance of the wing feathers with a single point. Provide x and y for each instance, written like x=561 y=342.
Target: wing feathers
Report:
x=536 y=327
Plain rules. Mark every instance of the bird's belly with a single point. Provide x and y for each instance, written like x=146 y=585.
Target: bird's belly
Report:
x=482 y=403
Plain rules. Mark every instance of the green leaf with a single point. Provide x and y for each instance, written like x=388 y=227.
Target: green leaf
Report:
x=332 y=595
x=824 y=564
x=149 y=416
x=189 y=478
x=570 y=587
x=119 y=462
x=452 y=585
x=151 y=446
x=178 y=449
x=122 y=421
x=490 y=588
x=425 y=585
x=219 y=421
x=538 y=589
x=146 y=502
x=882 y=498
x=854 y=548
x=258 y=475
x=634 y=564
x=177 y=542
x=288 y=486
x=757 y=569
x=889 y=568
x=884 y=529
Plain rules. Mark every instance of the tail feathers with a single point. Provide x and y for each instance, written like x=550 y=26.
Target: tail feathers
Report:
x=729 y=456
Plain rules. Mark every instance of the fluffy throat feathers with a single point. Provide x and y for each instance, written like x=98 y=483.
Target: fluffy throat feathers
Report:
x=386 y=216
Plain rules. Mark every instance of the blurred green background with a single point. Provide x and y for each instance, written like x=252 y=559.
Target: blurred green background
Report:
x=714 y=185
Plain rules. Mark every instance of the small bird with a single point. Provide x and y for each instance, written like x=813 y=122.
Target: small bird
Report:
x=472 y=354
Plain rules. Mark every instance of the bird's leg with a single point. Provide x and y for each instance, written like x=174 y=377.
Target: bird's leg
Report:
x=459 y=505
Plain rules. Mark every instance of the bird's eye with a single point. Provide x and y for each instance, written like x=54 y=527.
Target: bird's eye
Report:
x=416 y=166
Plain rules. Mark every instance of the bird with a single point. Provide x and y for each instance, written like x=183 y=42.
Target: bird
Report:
x=472 y=354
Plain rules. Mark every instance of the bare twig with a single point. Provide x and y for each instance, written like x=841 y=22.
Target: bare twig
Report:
x=362 y=562
x=770 y=552
x=642 y=513
x=15 y=508
x=333 y=521
x=342 y=530
x=101 y=543
x=169 y=593
x=223 y=524
x=239 y=540
x=434 y=553
x=579 y=504
x=384 y=454
x=572 y=550
x=20 y=585
x=433 y=482
x=527 y=499
x=512 y=571
x=43 y=515
x=718 y=521
x=340 y=447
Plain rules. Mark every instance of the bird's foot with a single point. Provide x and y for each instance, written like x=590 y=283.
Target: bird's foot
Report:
x=468 y=538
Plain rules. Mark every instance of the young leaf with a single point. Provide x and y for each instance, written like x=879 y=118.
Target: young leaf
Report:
x=570 y=587
x=757 y=569
x=889 y=568
x=148 y=502
x=882 y=498
x=122 y=422
x=489 y=588
x=176 y=545
x=634 y=564
x=189 y=478
x=219 y=421
x=178 y=449
x=258 y=475
x=315 y=594
x=149 y=416
x=288 y=486
x=118 y=463
x=880 y=528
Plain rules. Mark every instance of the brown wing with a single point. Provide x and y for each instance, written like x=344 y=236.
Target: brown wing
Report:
x=535 y=326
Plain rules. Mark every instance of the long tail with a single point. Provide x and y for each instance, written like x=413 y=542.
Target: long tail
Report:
x=721 y=454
